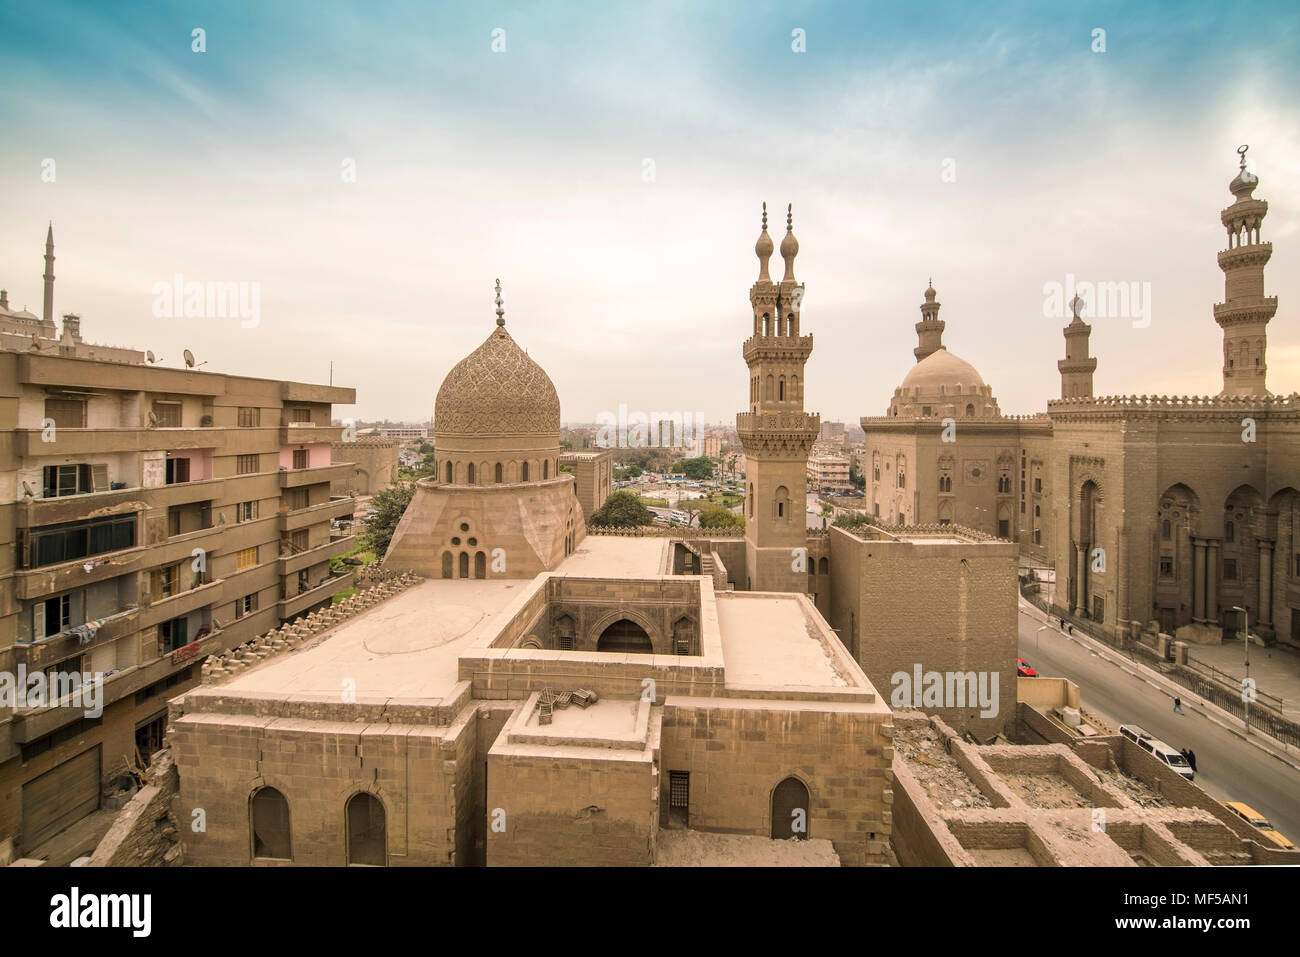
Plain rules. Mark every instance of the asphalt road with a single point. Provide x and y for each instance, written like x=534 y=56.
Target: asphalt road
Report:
x=1227 y=767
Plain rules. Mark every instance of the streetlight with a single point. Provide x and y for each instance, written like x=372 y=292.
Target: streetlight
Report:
x=1044 y=628
x=1245 y=698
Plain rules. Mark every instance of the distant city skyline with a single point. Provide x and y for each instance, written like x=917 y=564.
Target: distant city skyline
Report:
x=373 y=172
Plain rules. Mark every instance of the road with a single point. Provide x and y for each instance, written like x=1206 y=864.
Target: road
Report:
x=1227 y=767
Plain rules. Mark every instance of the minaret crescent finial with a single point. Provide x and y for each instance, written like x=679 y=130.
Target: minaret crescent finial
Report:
x=789 y=217
x=501 y=313
x=764 y=217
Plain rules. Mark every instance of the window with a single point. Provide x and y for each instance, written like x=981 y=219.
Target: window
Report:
x=246 y=605
x=245 y=558
x=299 y=540
x=1004 y=528
x=1166 y=566
x=178 y=470
x=73 y=540
x=270 y=825
x=296 y=498
x=498 y=476
x=1038 y=486
x=925 y=410
x=302 y=415
x=58 y=480
x=1038 y=511
x=1038 y=536
x=249 y=418
x=300 y=458
x=165 y=582
x=367 y=832
x=66 y=413
x=246 y=464
x=54 y=615
x=246 y=511
x=1166 y=530
x=1098 y=608
x=1229 y=569
x=172 y=635
x=167 y=415
x=1229 y=532
x=970 y=410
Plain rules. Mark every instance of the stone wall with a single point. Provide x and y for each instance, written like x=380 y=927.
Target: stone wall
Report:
x=145 y=832
x=374 y=465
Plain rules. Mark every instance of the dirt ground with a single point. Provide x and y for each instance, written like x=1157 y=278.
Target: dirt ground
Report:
x=940 y=775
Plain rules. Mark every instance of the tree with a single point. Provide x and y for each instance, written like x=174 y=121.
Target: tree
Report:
x=856 y=478
x=854 y=520
x=719 y=516
x=623 y=509
x=388 y=507
x=696 y=468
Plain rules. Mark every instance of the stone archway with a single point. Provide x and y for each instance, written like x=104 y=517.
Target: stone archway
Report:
x=790 y=810
x=625 y=636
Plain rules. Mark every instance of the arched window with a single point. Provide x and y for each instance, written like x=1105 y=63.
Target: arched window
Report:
x=525 y=471
x=471 y=473
x=780 y=389
x=449 y=480
x=970 y=409
x=823 y=566
x=781 y=503
x=751 y=499
x=480 y=565
x=446 y=565
x=625 y=636
x=500 y=473
x=367 y=831
x=546 y=468
x=1166 y=530
x=270 y=825
x=1229 y=532
x=790 y=812
x=464 y=565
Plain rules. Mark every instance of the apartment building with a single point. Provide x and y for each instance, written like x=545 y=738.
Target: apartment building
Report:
x=828 y=472
x=151 y=516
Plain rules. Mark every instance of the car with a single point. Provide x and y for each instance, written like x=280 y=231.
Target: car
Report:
x=1158 y=749
x=1259 y=822
x=1024 y=670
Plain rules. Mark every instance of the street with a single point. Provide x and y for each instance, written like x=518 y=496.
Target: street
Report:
x=1227 y=767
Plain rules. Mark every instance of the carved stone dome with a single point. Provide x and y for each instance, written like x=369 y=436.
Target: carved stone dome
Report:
x=496 y=390
x=941 y=370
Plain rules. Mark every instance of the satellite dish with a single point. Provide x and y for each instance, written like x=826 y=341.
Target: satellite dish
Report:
x=153 y=420
x=189 y=359
x=36 y=342
x=149 y=357
x=221 y=518
x=27 y=491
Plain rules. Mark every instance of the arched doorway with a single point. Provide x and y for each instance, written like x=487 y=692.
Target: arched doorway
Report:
x=446 y=565
x=270 y=825
x=464 y=564
x=625 y=636
x=480 y=565
x=790 y=810
x=367 y=831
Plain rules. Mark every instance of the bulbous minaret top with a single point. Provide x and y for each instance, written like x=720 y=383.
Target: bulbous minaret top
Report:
x=763 y=249
x=789 y=245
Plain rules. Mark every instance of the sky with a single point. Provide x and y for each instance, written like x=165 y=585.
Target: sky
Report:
x=372 y=168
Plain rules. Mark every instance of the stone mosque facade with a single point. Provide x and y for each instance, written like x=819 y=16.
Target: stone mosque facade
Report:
x=1164 y=509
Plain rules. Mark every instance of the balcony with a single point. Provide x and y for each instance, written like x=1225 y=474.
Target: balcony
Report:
x=35 y=512
x=296 y=562
x=42 y=651
x=174 y=606
x=79 y=443
x=307 y=392
x=308 y=433
x=297 y=478
x=65 y=576
x=300 y=602
x=294 y=519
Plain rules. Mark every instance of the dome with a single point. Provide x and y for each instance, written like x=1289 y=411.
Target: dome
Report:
x=942 y=369
x=496 y=390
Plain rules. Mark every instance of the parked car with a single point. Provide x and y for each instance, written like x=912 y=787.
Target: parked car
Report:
x=1259 y=822
x=1024 y=670
x=1158 y=749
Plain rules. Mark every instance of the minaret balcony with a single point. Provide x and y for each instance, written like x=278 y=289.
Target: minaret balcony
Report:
x=778 y=348
x=1245 y=309
x=1255 y=254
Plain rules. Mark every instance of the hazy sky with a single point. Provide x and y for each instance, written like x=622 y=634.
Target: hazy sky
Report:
x=530 y=164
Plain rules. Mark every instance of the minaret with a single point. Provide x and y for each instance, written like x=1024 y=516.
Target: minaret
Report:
x=929 y=331
x=47 y=317
x=1245 y=311
x=1077 y=367
x=776 y=432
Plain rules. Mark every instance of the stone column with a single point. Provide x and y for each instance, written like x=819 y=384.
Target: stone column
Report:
x=1198 y=580
x=1212 y=581
x=1080 y=578
x=1265 y=612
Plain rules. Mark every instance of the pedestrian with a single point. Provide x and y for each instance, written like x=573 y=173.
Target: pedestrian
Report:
x=1178 y=705
x=1191 y=759
x=1069 y=629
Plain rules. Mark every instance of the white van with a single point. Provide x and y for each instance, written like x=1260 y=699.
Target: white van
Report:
x=1158 y=749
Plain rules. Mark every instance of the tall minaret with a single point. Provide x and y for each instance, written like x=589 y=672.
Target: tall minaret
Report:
x=47 y=316
x=929 y=331
x=1077 y=367
x=776 y=432
x=1245 y=311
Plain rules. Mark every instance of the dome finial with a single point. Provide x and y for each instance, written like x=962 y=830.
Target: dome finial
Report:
x=789 y=245
x=501 y=313
x=763 y=249
x=765 y=216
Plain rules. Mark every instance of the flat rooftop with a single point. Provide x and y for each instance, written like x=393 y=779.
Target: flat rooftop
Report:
x=616 y=556
x=771 y=641
x=404 y=647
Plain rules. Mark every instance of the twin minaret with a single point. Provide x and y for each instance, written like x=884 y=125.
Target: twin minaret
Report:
x=776 y=433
